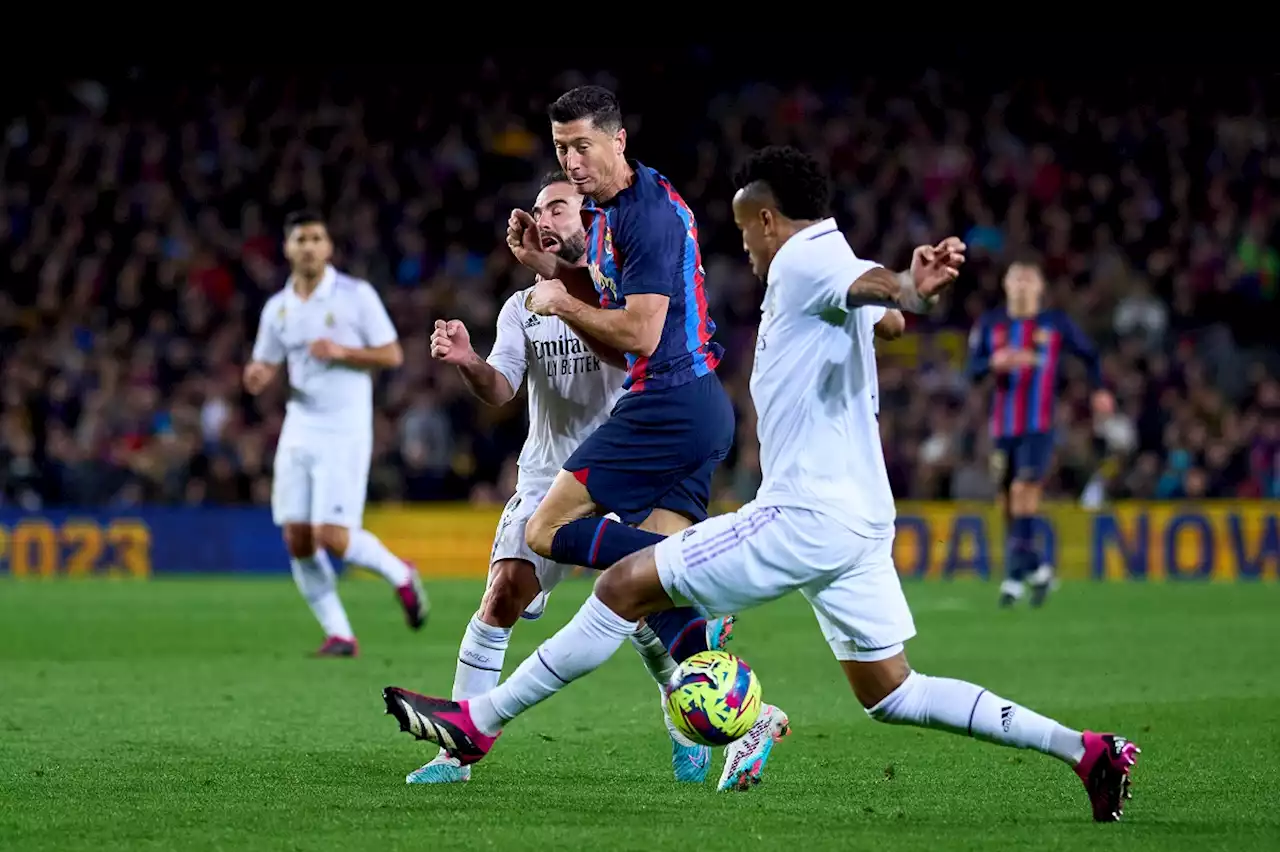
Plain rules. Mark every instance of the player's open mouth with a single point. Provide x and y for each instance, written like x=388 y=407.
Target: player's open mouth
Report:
x=550 y=242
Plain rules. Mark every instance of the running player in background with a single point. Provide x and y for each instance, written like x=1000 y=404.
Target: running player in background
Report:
x=571 y=391
x=1022 y=343
x=651 y=462
x=822 y=523
x=333 y=331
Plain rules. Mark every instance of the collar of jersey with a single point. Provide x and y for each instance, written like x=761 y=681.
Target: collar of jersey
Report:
x=642 y=173
x=323 y=290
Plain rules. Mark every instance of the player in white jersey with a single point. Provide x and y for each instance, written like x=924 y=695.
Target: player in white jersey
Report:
x=822 y=522
x=571 y=390
x=333 y=331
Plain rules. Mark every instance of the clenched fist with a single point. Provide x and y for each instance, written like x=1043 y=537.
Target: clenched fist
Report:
x=451 y=343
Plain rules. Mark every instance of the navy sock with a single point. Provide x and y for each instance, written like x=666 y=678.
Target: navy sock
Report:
x=1025 y=560
x=598 y=542
x=683 y=631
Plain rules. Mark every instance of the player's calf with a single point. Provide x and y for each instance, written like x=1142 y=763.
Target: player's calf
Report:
x=513 y=586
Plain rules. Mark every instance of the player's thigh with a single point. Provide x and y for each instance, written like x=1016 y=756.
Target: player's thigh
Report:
x=652 y=442
x=510 y=541
x=690 y=498
x=291 y=486
x=862 y=611
x=732 y=562
x=566 y=501
x=341 y=483
x=665 y=522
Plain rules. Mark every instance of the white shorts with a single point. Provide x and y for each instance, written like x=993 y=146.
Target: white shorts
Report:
x=509 y=543
x=733 y=562
x=321 y=483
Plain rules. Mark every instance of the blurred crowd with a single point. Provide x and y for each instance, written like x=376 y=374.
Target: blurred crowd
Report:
x=140 y=235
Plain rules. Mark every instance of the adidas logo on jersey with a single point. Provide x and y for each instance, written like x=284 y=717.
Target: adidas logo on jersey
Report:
x=532 y=321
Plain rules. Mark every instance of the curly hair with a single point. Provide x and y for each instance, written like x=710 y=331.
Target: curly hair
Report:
x=797 y=181
x=592 y=102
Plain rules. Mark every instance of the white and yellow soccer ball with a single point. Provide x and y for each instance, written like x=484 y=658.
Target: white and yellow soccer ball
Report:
x=713 y=698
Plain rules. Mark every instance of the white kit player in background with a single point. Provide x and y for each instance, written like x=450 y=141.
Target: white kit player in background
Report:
x=333 y=331
x=571 y=391
x=822 y=522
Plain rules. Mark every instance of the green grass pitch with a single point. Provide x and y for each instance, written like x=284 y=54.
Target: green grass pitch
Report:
x=185 y=715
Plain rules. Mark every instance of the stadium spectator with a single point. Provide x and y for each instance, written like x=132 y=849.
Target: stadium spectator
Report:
x=140 y=220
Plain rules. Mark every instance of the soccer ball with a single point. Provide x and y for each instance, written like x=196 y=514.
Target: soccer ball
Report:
x=713 y=698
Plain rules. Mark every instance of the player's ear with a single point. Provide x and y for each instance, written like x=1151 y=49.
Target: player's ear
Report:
x=767 y=220
x=620 y=141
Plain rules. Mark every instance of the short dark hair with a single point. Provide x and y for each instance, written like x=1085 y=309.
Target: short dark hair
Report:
x=556 y=176
x=593 y=102
x=302 y=217
x=796 y=180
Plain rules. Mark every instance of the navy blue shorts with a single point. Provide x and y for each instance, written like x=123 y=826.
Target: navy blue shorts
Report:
x=1024 y=458
x=658 y=450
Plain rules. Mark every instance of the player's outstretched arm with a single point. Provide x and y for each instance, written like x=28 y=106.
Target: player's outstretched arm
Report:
x=917 y=290
x=451 y=343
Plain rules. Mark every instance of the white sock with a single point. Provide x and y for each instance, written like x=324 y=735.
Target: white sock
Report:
x=480 y=659
x=654 y=654
x=367 y=551
x=319 y=586
x=963 y=708
x=583 y=645
x=1012 y=588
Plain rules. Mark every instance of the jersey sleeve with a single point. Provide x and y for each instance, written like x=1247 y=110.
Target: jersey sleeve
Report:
x=979 y=361
x=268 y=348
x=376 y=326
x=832 y=267
x=876 y=312
x=652 y=246
x=509 y=356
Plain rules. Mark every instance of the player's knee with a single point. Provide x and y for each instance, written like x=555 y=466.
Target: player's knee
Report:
x=1024 y=497
x=875 y=681
x=539 y=534
x=512 y=587
x=299 y=541
x=334 y=539
x=632 y=588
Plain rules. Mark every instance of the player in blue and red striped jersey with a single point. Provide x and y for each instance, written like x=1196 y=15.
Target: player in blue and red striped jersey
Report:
x=1023 y=344
x=651 y=462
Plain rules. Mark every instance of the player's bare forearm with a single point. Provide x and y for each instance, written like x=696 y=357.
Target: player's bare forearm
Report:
x=607 y=354
x=547 y=265
x=386 y=357
x=635 y=329
x=258 y=375
x=485 y=382
x=897 y=290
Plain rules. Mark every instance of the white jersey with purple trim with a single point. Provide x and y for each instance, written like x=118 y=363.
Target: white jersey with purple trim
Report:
x=814 y=387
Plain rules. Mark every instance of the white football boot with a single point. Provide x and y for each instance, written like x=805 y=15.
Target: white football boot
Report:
x=744 y=758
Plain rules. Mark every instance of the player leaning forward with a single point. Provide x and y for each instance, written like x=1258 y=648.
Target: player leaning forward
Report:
x=571 y=391
x=333 y=331
x=822 y=522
